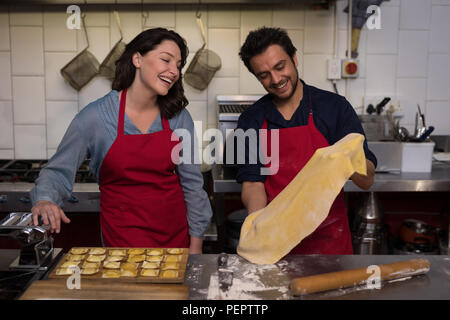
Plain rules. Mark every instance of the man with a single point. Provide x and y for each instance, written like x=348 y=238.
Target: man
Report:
x=308 y=118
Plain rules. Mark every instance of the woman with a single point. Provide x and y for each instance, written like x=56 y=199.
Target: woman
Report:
x=146 y=200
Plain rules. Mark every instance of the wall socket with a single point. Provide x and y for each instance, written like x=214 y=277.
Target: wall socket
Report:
x=334 y=69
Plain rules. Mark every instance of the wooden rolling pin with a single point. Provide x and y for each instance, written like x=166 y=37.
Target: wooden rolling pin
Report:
x=350 y=278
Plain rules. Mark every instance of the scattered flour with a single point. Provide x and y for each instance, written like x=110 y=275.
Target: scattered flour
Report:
x=252 y=281
x=195 y=272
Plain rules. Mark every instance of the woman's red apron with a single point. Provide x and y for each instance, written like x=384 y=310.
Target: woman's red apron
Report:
x=296 y=146
x=141 y=199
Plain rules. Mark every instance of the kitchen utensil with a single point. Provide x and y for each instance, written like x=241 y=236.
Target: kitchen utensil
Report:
x=83 y=68
x=355 y=277
x=403 y=134
x=380 y=106
x=370 y=210
x=36 y=246
x=417 y=232
x=225 y=275
x=107 y=68
x=402 y=248
x=369 y=236
x=422 y=116
x=420 y=127
x=427 y=133
x=370 y=109
x=204 y=64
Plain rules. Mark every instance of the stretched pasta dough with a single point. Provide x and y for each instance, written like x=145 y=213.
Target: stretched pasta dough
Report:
x=269 y=234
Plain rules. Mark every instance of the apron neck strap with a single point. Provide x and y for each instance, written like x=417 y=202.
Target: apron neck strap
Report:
x=120 y=126
x=165 y=122
x=264 y=126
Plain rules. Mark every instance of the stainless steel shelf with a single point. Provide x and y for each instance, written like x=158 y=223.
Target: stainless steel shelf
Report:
x=438 y=180
x=139 y=2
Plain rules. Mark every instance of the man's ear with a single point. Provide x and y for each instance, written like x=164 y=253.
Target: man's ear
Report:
x=136 y=59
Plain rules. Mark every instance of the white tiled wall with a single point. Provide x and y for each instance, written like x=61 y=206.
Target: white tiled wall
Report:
x=408 y=59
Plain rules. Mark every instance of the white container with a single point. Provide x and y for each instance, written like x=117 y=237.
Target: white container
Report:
x=417 y=156
x=388 y=154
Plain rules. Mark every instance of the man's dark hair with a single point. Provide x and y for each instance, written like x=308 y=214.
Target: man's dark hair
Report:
x=259 y=40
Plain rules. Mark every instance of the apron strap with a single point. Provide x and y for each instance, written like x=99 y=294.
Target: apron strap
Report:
x=120 y=125
x=165 y=123
x=264 y=126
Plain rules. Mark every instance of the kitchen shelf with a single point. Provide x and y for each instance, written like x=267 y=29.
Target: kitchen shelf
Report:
x=96 y=2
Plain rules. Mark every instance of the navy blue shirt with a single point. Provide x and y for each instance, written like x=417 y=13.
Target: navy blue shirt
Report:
x=333 y=116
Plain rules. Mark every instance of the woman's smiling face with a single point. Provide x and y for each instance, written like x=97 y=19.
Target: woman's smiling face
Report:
x=159 y=69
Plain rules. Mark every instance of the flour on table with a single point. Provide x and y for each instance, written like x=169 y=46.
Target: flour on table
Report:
x=252 y=282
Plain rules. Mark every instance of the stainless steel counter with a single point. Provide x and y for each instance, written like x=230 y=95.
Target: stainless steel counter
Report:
x=15 y=196
x=272 y=281
x=254 y=282
x=436 y=180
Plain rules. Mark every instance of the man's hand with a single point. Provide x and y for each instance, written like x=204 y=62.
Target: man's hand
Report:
x=364 y=181
x=196 y=245
x=50 y=213
x=253 y=196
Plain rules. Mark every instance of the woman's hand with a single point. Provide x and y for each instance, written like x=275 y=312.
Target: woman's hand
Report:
x=196 y=245
x=50 y=213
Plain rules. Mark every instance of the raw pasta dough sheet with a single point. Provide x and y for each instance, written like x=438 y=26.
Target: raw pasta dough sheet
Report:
x=267 y=235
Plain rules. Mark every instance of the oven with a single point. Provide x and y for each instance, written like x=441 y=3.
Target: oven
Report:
x=229 y=110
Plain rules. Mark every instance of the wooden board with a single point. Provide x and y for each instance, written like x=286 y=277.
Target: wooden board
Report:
x=180 y=268
x=99 y=290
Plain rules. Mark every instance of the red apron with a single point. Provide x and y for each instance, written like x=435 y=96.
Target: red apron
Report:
x=296 y=146
x=141 y=199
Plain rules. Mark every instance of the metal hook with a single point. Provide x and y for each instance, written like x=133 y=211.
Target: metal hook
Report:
x=197 y=14
x=144 y=16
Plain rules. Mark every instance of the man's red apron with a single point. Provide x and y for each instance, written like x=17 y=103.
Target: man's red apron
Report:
x=296 y=146
x=141 y=199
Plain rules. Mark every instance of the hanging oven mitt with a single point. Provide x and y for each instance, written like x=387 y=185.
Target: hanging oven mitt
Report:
x=267 y=235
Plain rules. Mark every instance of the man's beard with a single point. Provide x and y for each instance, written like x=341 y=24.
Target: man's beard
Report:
x=294 y=87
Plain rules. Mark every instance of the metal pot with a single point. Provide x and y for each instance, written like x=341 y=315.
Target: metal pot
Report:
x=234 y=222
x=417 y=232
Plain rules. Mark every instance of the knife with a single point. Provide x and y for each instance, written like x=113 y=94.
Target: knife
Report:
x=225 y=275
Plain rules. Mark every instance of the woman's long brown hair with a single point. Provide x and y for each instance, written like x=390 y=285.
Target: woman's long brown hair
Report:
x=175 y=101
